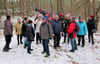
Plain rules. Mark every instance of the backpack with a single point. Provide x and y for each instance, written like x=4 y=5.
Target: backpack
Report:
x=77 y=28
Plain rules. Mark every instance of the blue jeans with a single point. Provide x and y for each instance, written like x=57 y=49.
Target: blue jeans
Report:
x=25 y=41
x=65 y=35
x=29 y=44
x=45 y=46
x=73 y=43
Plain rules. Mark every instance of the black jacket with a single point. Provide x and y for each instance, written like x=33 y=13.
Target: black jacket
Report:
x=24 y=29
x=66 y=24
x=91 y=24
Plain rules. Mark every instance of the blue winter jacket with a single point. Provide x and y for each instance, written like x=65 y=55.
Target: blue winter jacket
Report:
x=57 y=27
x=83 y=28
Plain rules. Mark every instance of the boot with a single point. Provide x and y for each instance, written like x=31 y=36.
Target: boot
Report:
x=5 y=50
x=25 y=45
x=31 y=49
x=71 y=51
x=28 y=51
x=43 y=52
x=78 y=44
x=82 y=46
x=21 y=42
x=47 y=55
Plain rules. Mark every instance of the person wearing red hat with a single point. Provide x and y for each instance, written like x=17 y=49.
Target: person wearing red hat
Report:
x=91 y=24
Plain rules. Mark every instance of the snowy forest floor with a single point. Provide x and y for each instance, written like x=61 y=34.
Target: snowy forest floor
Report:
x=18 y=55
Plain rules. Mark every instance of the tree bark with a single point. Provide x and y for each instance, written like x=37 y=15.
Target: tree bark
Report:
x=88 y=7
x=23 y=6
x=13 y=8
x=93 y=6
x=51 y=5
x=5 y=3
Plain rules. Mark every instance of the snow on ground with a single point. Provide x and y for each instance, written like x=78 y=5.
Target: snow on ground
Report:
x=87 y=55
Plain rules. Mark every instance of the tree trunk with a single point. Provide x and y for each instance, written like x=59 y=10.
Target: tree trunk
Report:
x=97 y=17
x=13 y=8
x=93 y=6
x=37 y=3
x=61 y=6
x=23 y=6
x=27 y=7
x=5 y=3
x=88 y=7
x=51 y=5
x=58 y=6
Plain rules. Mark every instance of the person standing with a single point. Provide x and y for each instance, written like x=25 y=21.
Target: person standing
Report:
x=57 y=29
x=24 y=26
x=30 y=34
x=91 y=24
x=72 y=34
x=8 y=32
x=82 y=32
x=38 y=23
x=65 y=26
x=46 y=34
x=18 y=29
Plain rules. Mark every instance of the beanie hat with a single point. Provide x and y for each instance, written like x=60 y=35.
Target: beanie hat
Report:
x=92 y=16
x=44 y=18
x=80 y=17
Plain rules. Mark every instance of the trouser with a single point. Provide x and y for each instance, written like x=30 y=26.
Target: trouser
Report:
x=90 y=36
x=19 y=37
x=38 y=38
x=45 y=46
x=57 y=40
x=8 y=40
x=65 y=35
x=79 y=39
x=29 y=45
x=25 y=41
x=73 y=43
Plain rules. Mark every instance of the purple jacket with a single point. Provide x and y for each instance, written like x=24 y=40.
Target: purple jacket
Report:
x=8 y=28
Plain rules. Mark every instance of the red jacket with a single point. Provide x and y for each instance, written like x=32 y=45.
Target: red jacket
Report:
x=71 y=29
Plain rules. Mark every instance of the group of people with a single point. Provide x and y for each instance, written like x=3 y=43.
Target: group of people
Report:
x=50 y=26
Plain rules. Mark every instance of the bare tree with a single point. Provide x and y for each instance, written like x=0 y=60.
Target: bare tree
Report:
x=88 y=7
x=93 y=6
x=13 y=8
x=51 y=5
x=5 y=2
x=97 y=17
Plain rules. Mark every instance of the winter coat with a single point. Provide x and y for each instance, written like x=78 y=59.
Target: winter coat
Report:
x=83 y=28
x=57 y=27
x=8 y=28
x=30 y=34
x=38 y=24
x=18 y=28
x=46 y=31
x=24 y=29
x=91 y=24
x=71 y=30
x=66 y=24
